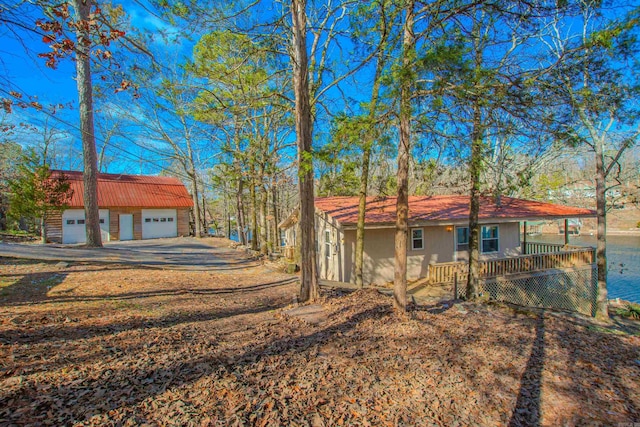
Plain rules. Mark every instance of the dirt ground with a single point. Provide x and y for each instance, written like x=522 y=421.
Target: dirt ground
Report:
x=113 y=345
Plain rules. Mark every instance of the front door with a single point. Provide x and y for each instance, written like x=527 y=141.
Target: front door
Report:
x=126 y=226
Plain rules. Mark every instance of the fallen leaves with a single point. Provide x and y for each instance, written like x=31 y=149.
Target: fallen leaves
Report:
x=114 y=345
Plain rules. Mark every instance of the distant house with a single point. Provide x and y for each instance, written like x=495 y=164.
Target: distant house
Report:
x=132 y=207
x=438 y=232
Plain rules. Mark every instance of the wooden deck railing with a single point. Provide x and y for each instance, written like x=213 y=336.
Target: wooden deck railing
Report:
x=548 y=248
x=445 y=272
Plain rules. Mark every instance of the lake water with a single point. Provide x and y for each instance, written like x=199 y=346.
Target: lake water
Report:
x=623 y=258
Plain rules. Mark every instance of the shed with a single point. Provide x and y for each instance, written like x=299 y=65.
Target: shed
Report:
x=132 y=207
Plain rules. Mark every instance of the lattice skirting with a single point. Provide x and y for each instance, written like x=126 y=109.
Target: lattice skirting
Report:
x=574 y=289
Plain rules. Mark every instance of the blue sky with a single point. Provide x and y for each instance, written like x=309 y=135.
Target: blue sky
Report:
x=22 y=71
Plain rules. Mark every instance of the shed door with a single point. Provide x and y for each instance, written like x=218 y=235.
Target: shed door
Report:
x=126 y=226
x=73 y=226
x=159 y=223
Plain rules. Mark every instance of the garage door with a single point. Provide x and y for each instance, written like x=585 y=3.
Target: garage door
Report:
x=159 y=223
x=73 y=226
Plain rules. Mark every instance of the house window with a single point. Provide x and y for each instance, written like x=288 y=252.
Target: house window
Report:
x=147 y=220
x=163 y=219
x=489 y=241
x=327 y=243
x=156 y=219
x=80 y=221
x=462 y=239
x=101 y=220
x=71 y=221
x=417 y=239
x=170 y=219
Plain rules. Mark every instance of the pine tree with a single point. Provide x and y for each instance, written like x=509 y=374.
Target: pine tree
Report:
x=36 y=193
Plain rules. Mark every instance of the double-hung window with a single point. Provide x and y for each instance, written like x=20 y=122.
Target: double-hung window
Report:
x=489 y=240
x=462 y=239
x=417 y=239
x=327 y=243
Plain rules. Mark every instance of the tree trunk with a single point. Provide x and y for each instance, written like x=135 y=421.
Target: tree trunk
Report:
x=404 y=150
x=601 y=245
x=193 y=175
x=196 y=203
x=362 y=209
x=240 y=222
x=475 y=167
x=308 y=280
x=254 y=212
x=227 y=215
x=85 y=102
x=366 y=160
x=203 y=216
x=43 y=230
x=276 y=218
x=263 y=220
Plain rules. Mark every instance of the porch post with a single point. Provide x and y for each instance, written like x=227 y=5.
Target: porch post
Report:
x=566 y=231
x=524 y=239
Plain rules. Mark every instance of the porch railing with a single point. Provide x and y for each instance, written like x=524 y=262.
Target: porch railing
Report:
x=446 y=272
x=546 y=248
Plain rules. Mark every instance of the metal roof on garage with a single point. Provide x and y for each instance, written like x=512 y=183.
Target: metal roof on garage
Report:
x=140 y=191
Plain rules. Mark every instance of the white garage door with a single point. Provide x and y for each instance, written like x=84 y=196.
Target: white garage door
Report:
x=159 y=223
x=73 y=226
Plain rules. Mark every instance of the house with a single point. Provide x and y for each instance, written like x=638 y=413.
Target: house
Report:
x=132 y=207
x=438 y=232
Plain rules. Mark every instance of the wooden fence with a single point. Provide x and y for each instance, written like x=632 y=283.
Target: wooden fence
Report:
x=445 y=272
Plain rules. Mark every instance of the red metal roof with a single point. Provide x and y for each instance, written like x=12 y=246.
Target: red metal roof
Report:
x=444 y=209
x=138 y=191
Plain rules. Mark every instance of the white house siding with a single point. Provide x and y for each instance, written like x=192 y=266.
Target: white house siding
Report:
x=508 y=242
x=379 y=254
x=330 y=254
x=439 y=245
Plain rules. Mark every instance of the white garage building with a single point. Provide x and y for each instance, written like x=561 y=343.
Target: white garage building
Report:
x=131 y=207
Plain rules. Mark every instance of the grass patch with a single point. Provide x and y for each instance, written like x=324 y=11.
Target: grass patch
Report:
x=601 y=329
x=630 y=311
x=19 y=233
x=5 y=286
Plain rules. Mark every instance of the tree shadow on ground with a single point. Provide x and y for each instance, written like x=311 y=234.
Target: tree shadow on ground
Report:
x=33 y=288
x=70 y=332
x=116 y=338
x=615 y=374
x=527 y=411
x=433 y=308
x=45 y=299
x=29 y=287
x=127 y=387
